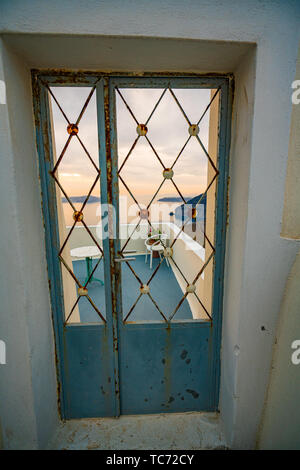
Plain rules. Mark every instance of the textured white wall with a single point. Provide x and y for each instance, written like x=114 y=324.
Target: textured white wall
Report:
x=291 y=212
x=28 y=384
x=258 y=260
x=281 y=419
x=14 y=330
x=224 y=20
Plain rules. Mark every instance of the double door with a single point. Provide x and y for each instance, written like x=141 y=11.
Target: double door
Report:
x=134 y=179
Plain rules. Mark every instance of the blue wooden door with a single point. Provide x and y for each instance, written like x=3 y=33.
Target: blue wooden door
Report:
x=85 y=332
x=156 y=347
x=168 y=353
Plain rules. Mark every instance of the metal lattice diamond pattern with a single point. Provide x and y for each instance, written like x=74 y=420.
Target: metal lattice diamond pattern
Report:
x=167 y=173
x=73 y=131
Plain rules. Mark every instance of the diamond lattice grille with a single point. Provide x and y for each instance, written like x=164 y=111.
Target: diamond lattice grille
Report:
x=167 y=174
x=73 y=132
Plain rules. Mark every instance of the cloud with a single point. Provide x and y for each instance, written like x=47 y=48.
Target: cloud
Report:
x=167 y=131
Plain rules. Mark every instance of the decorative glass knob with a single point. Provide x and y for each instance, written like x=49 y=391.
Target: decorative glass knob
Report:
x=191 y=212
x=168 y=173
x=144 y=214
x=190 y=288
x=144 y=289
x=72 y=129
x=142 y=129
x=78 y=216
x=168 y=251
x=194 y=213
x=82 y=291
x=194 y=129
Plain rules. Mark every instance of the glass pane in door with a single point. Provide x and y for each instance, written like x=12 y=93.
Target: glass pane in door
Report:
x=167 y=169
x=77 y=181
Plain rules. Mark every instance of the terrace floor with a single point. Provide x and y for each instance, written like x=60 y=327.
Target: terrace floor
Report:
x=164 y=289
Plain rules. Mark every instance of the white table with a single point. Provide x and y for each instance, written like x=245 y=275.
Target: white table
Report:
x=87 y=252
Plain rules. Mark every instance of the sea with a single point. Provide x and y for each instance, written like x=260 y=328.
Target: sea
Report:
x=161 y=209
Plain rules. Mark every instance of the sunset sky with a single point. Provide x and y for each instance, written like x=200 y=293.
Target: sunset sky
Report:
x=167 y=130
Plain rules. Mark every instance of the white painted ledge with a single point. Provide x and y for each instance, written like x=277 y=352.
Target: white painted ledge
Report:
x=172 y=431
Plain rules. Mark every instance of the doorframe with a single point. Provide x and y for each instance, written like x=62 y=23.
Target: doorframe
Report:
x=44 y=150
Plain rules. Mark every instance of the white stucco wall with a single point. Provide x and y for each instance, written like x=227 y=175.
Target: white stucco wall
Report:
x=291 y=212
x=28 y=386
x=280 y=427
x=258 y=260
x=280 y=424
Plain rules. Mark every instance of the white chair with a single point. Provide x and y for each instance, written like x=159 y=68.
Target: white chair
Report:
x=155 y=246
